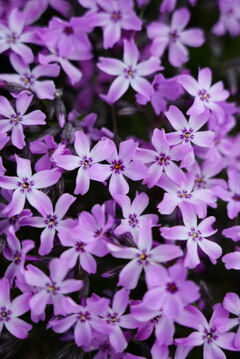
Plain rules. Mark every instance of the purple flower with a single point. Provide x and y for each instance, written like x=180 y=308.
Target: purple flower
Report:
x=16 y=253
x=114 y=16
x=143 y=257
x=206 y=96
x=169 y=290
x=160 y=160
x=164 y=89
x=16 y=120
x=207 y=334
x=229 y=20
x=13 y=36
x=132 y=213
x=232 y=196
x=204 y=174
x=231 y=303
x=232 y=232
x=187 y=132
x=195 y=235
x=50 y=290
x=150 y=319
x=10 y=311
x=49 y=148
x=129 y=73
x=174 y=37
x=28 y=79
x=26 y=186
x=86 y=319
x=123 y=164
x=185 y=196
x=87 y=161
x=115 y=319
x=69 y=39
x=51 y=221
x=88 y=237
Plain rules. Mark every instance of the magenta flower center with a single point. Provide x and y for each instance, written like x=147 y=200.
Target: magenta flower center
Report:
x=187 y=135
x=133 y=220
x=12 y=38
x=117 y=166
x=17 y=257
x=236 y=197
x=83 y=316
x=79 y=247
x=209 y=335
x=27 y=79
x=113 y=318
x=163 y=159
x=52 y=288
x=68 y=30
x=86 y=162
x=143 y=257
x=13 y=219
x=116 y=16
x=15 y=119
x=51 y=221
x=129 y=72
x=171 y=288
x=25 y=185
x=184 y=194
x=173 y=36
x=5 y=314
x=195 y=234
x=200 y=182
x=204 y=95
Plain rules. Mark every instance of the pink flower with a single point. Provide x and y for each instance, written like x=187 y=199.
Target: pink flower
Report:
x=26 y=186
x=13 y=36
x=28 y=79
x=169 y=290
x=16 y=120
x=160 y=159
x=174 y=37
x=51 y=221
x=185 y=196
x=87 y=161
x=10 y=311
x=207 y=334
x=206 y=96
x=132 y=213
x=195 y=235
x=113 y=16
x=50 y=290
x=143 y=257
x=129 y=72
x=187 y=133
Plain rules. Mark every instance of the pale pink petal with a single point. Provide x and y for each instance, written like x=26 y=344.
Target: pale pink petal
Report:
x=205 y=78
x=212 y=249
x=130 y=274
x=148 y=67
x=88 y=262
x=46 y=178
x=120 y=301
x=191 y=259
x=232 y=260
x=39 y=301
x=18 y=138
x=176 y=118
x=24 y=169
x=82 y=182
x=63 y=204
x=111 y=34
x=131 y=54
x=180 y=19
x=192 y=37
x=211 y=351
x=5 y=107
x=68 y=162
x=18 y=327
x=175 y=233
x=203 y=138
x=47 y=237
x=117 y=89
x=118 y=184
x=34 y=276
x=142 y=86
x=82 y=333
x=189 y=84
x=111 y=66
x=178 y=54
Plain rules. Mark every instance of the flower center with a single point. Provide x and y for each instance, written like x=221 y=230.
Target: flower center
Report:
x=12 y=38
x=68 y=30
x=187 y=135
x=112 y=318
x=209 y=336
x=117 y=166
x=163 y=159
x=129 y=72
x=13 y=219
x=204 y=95
x=83 y=317
x=86 y=162
x=133 y=220
x=236 y=197
x=4 y=314
x=51 y=221
x=116 y=16
x=17 y=257
x=27 y=80
x=79 y=247
x=171 y=287
x=173 y=36
x=195 y=234
x=52 y=288
x=184 y=194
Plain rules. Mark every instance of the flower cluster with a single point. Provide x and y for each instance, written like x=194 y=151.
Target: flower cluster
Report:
x=114 y=235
